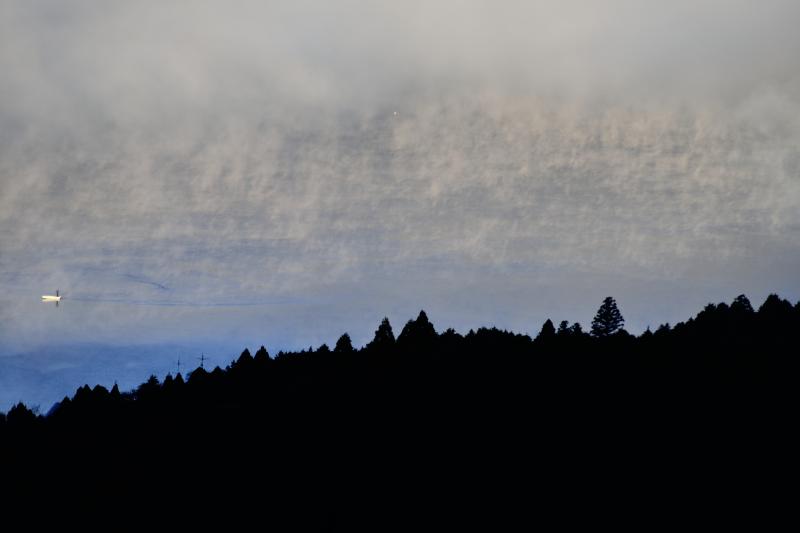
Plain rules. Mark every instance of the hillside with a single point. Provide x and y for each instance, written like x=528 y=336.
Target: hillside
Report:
x=435 y=428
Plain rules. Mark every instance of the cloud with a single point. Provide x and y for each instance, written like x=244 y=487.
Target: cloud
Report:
x=239 y=150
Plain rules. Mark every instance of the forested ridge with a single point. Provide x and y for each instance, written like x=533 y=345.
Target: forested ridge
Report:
x=432 y=428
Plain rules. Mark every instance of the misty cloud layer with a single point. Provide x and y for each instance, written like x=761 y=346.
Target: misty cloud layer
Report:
x=326 y=163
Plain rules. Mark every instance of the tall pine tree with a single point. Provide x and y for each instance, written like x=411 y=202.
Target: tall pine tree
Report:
x=384 y=337
x=608 y=319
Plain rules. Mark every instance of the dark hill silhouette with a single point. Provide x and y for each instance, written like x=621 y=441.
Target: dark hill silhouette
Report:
x=431 y=430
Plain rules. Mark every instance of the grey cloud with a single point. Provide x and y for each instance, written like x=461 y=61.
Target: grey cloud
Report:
x=543 y=154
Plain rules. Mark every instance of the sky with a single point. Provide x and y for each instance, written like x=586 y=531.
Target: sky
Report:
x=204 y=176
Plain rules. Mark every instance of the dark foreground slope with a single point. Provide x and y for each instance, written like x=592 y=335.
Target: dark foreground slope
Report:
x=489 y=429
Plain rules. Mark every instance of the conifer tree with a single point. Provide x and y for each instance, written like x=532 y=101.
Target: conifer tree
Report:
x=547 y=332
x=608 y=319
x=344 y=344
x=384 y=337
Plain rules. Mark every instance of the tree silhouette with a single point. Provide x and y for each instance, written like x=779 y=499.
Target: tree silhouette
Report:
x=198 y=376
x=323 y=349
x=344 y=344
x=417 y=334
x=775 y=306
x=608 y=319
x=20 y=415
x=384 y=337
x=244 y=363
x=741 y=304
x=147 y=389
x=547 y=332
x=262 y=356
x=313 y=419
